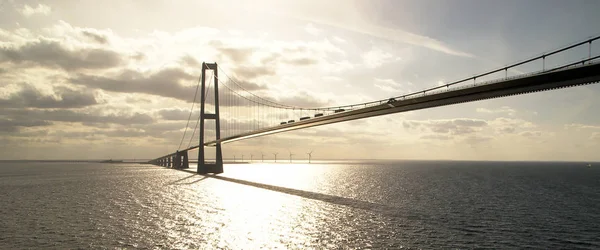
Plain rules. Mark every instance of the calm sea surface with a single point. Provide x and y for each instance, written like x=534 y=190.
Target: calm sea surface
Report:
x=343 y=205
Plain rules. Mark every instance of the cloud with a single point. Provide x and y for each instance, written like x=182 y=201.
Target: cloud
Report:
x=531 y=134
x=189 y=61
x=506 y=130
x=389 y=34
x=49 y=53
x=503 y=122
x=311 y=29
x=98 y=134
x=138 y=56
x=458 y=126
x=475 y=139
x=501 y=110
x=376 y=57
x=65 y=115
x=332 y=78
x=99 y=38
x=469 y=122
x=39 y=9
x=302 y=61
x=252 y=72
x=338 y=136
x=339 y=39
x=320 y=48
x=236 y=54
x=387 y=85
x=164 y=83
x=303 y=99
x=35 y=133
x=259 y=57
x=436 y=137
x=137 y=100
x=10 y=125
x=177 y=114
x=247 y=85
x=504 y=125
x=31 y=97
x=578 y=126
x=338 y=66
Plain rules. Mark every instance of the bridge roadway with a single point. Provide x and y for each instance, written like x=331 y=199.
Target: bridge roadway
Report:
x=571 y=76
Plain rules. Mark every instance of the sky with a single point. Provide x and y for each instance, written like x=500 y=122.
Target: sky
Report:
x=111 y=79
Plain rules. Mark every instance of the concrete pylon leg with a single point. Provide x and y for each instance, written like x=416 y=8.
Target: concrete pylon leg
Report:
x=185 y=163
x=177 y=161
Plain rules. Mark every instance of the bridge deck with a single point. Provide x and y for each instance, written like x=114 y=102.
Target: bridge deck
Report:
x=547 y=80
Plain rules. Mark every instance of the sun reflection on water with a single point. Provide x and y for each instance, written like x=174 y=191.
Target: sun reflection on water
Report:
x=243 y=215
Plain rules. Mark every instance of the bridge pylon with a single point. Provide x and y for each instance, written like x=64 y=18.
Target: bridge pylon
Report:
x=203 y=166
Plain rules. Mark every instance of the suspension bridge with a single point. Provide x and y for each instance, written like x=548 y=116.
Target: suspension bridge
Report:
x=238 y=113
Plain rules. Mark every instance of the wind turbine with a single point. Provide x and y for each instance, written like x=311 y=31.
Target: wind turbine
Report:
x=234 y=158
x=309 y=155
x=242 y=158
x=276 y=156
x=251 y=157
x=291 y=156
x=262 y=157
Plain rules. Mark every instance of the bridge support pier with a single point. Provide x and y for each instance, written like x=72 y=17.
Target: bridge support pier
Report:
x=183 y=156
x=180 y=160
x=177 y=160
x=203 y=166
